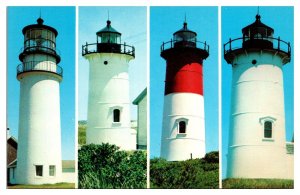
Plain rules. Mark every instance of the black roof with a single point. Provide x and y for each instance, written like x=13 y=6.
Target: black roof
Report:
x=107 y=29
x=184 y=29
x=256 y=24
x=39 y=24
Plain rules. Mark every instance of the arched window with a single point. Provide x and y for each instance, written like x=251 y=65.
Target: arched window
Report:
x=116 y=114
x=268 y=129
x=182 y=127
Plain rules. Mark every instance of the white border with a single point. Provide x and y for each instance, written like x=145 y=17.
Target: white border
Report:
x=3 y=62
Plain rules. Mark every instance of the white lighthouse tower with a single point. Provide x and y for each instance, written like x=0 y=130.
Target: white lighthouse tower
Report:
x=108 y=119
x=257 y=137
x=39 y=137
x=183 y=132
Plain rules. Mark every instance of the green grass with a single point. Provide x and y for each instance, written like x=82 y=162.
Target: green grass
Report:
x=81 y=133
x=44 y=186
x=257 y=184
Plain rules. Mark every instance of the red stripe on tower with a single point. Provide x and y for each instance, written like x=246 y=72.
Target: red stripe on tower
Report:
x=184 y=75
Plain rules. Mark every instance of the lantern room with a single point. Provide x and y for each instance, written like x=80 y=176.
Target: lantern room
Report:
x=108 y=34
x=258 y=34
x=184 y=37
x=184 y=40
x=39 y=38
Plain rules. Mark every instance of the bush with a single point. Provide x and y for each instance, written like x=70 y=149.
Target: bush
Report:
x=105 y=166
x=196 y=173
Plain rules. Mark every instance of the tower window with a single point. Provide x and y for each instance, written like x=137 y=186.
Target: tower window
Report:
x=39 y=170
x=52 y=170
x=268 y=129
x=116 y=114
x=182 y=127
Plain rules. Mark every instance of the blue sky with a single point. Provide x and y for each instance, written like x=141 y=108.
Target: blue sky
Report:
x=132 y=23
x=63 y=20
x=164 y=21
x=231 y=28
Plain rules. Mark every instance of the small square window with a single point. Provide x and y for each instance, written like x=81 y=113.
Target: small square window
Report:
x=39 y=170
x=52 y=170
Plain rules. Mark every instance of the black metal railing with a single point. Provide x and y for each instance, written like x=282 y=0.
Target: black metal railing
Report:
x=44 y=66
x=108 y=48
x=238 y=43
x=192 y=44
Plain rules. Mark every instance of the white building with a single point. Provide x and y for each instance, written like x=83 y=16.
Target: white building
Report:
x=108 y=119
x=39 y=136
x=257 y=136
x=183 y=131
x=141 y=102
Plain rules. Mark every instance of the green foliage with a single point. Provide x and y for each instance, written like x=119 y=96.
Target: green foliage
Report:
x=196 y=173
x=258 y=184
x=105 y=166
x=81 y=132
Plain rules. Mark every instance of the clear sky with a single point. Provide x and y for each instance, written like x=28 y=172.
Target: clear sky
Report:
x=63 y=20
x=231 y=28
x=132 y=23
x=164 y=21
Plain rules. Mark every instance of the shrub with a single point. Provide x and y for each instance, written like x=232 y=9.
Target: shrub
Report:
x=196 y=173
x=105 y=166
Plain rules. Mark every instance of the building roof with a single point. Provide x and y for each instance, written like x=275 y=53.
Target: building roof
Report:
x=12 y=141
x=140 y=97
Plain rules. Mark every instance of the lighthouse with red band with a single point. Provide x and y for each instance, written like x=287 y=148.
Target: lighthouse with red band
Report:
x=183 y=133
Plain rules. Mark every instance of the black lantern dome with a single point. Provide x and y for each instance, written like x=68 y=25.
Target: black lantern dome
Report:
x=108 y=34
x=185 y=37
x=185 y=40
x=258 y=34
x=108 y=41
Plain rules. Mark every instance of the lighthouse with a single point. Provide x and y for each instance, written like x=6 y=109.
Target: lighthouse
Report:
x=183 y=130
x=257 y=137
x=39 y=135
x=108 y=119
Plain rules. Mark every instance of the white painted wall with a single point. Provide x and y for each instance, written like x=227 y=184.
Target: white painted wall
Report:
x=39 y=136
x=142 y=122
x=175 y=146
x=69 y=177
x=257 y=95
x=109 y=89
